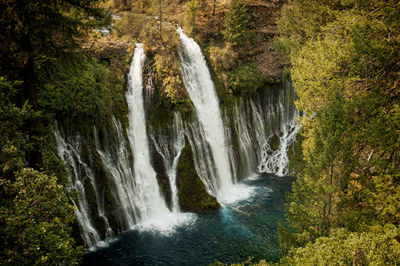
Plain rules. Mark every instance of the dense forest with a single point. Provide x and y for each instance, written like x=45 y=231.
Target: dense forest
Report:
x=58 y=68
x=344 y=207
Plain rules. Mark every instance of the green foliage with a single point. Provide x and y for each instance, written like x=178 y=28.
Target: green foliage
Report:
x=192 y=8
x=301 y=27
x=191 y=190
x=235 y=23
x=295 y=154
x=168 y=76
x=13 y=119
x=80 y=87
x=35 y=227
x=35 y=32
x=35 y=215
x=245 y=80
x=378 y=247
x=223 y=59
x=41 y=79
x=345 y=70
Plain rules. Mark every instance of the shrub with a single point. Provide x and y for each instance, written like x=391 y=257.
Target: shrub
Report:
x=245 y=80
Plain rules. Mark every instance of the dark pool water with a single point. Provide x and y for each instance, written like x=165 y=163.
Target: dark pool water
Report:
x=235 y=232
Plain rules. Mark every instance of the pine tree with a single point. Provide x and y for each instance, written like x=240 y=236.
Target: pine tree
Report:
x=236 y=19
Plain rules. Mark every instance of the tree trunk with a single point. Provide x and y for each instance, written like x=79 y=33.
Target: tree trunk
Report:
x=29 y=74
x=30 y=93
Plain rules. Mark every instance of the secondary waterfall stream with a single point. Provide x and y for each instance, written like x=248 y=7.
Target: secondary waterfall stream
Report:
x=112 y=169
x=170 y=152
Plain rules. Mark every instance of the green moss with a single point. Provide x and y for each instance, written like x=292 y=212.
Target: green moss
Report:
x=191 y=190
x=162 y=177
x=245 y=80
x=271 y=81
x=274 y=143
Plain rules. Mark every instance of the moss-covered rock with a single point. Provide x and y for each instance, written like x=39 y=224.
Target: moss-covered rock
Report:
x=162 y=176
x=191 y=190
x=274 y=143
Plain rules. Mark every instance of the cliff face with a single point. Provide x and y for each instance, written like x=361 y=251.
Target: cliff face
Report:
x=263 y=28
x=264 y=15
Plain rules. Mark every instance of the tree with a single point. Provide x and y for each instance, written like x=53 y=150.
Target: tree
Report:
x=35 y=216
x=192 y=9
x=235 y=23
x=378 y=247
x=345 y=71
x=34 y=32
x=36 y=226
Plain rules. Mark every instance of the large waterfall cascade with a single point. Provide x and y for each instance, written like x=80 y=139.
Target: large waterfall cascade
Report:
x=151 y=210
x=201 y=90
x=225 y=148
x=149 y=203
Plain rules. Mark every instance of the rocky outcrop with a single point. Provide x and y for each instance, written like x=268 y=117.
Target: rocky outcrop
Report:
x=263 y=18
x=107 y=48
x=263 y=29
x=191 y=190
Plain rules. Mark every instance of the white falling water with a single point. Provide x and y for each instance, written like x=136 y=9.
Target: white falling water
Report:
x=137 y=201
x=202 y=156
x=151 y=209
x=256 y=121
x=170 y=151
x=200 y=87
x=277 y=162
x=119 y=170
x=70 y=153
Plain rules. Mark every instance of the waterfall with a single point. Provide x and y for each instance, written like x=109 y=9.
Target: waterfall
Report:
x=149 y=204
x=202 y=154
x=119 y=169
x=69 y=151
x=200 y=87
x=124 y=189
x=151 y=211
x=277 y=161
x=170 y=151
x=256 y=121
